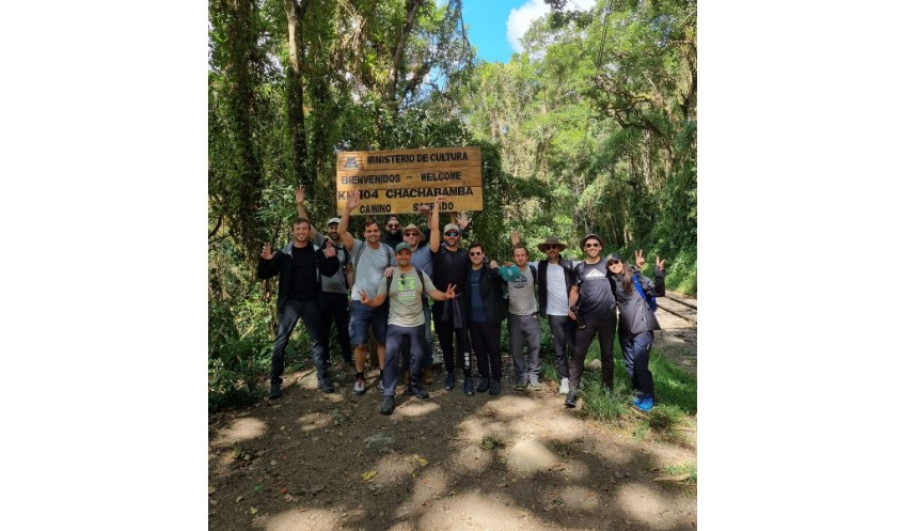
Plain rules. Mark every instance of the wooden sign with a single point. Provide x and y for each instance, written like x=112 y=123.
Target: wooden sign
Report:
x=398 y=181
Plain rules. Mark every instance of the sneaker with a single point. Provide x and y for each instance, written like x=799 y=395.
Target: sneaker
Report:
x=637 y=400
x=420 y=392
x=326 y=385
x=450 y=382
x=483 y=384
x=360 y=386
x=274 y=391
x=571 y=398
x=495 y=388
x=521 y=385
x=468 y=387
x=387 y=405
x=564 y=386
x=646 y=404
x=533 y=382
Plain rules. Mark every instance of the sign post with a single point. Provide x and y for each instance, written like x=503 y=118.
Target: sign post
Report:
x=398 y=181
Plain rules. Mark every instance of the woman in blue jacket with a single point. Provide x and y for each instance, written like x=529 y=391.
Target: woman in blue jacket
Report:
x=637 y=321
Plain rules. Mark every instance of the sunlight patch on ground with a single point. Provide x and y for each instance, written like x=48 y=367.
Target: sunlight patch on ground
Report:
x=472 y=459
x=314 y=421
x=240 y=430
x=643 y=504
x=416 y=408
x=474 y=510
x=308 y=520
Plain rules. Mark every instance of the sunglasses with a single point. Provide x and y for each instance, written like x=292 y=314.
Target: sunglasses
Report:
x=549 y=247
x=452 y=234
x=475 y=253
x=612 y=262
x=411 y=234
x=591 y=245
x=391 y=226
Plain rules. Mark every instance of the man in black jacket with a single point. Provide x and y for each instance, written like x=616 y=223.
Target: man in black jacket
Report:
x=300 y=266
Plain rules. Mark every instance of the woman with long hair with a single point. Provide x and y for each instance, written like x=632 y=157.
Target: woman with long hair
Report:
x=637 y=320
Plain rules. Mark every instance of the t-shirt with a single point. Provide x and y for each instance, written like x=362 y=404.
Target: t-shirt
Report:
x=479 y=315
x=557 y=296
x=451 y=267
x=303 y=275
x=338 y=282
x=406 y=298
x=596 y=297
x=521 y=291
x=370 y=266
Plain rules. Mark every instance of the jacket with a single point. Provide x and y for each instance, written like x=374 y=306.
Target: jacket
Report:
x=283 y=264
x=490 y=285
x=635 y=316
x=542 y=282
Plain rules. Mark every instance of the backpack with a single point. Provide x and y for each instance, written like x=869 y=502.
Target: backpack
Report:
x=651 y=301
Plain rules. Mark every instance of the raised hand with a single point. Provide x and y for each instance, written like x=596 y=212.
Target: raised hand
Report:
x=329 y=251
x=464 y=221
x=363 y=298
x=440 y=199
x=266 y=253
x=299 y=196
x=424 y=209
x=514 y=237
x=353 y=200
x=660 y=264
x=451 y=291
x=639 y=259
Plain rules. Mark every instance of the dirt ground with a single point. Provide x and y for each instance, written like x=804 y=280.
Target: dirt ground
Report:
x=517 y=461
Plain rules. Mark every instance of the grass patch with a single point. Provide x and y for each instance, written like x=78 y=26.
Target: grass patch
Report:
x=489 y=442
x=684 y=468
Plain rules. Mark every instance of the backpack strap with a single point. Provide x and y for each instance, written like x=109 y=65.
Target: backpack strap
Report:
x=651 y=301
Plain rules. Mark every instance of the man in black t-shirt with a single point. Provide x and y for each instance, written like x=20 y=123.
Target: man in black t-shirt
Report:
x=299 y=265
x=592 y=293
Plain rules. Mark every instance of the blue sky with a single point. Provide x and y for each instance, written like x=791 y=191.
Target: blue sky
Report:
x=495 y=26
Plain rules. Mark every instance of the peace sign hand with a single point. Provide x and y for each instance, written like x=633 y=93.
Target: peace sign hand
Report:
x=266 y=253
x=660 y=264
x=639 y=259
x=451 y=291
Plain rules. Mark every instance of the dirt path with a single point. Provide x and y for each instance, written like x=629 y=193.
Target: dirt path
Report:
x=517 y=461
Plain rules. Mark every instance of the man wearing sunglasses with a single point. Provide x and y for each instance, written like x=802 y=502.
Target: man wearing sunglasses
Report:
x=592 y=292
x=554 y=281
x=392 y=236
x=451 y=266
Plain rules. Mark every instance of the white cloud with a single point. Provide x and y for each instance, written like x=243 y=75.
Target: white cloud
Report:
x=520 y=18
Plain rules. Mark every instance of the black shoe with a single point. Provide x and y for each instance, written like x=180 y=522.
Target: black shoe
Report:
x=420 y=392
x=495 y=388
x=450 y=382
x=468 y=387
x=387 y=406
x=326 y=385
x=483 y=385
x=274 y=391
x=571 y=398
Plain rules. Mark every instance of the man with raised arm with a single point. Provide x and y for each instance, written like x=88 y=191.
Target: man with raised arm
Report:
x=370 y=259
x=592 y=297
x=300 y=266
x=524 y=326
x=451 y=266
x=334 y=304
x=406 y=319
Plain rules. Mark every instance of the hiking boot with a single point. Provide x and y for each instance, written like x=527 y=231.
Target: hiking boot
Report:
x=468 y=387
x=427 y=376
x=360 y=386
x=450 y=382
x=495 y=388
x=521 y=385
x=274 y=391
x=483 y=384
x=646 y=404
x=381 y=383
x=420 y=392
x=326 y=385
x=571 y=398
x=387 y=405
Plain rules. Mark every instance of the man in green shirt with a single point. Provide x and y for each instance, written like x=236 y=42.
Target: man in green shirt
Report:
x=406 y=318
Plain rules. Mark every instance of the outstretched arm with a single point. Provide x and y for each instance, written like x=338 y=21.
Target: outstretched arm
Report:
x=301 y=211
x=443 y=295
x=346 y=237
x=435 y=240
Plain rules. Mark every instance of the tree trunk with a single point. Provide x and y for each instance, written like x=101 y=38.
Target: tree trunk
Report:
x=294 y=97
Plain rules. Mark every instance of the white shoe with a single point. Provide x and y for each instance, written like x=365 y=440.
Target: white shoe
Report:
x=360 y=387
x=564 y=386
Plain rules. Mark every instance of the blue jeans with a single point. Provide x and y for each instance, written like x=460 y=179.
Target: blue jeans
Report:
x=395 y=336
x=294 y=310
x=562 y=329
x=636 y=351
x=429 y=340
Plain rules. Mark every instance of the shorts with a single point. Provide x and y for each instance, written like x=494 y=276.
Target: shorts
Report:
x=361 y=316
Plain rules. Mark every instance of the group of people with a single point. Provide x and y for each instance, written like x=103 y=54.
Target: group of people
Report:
x=390 y=276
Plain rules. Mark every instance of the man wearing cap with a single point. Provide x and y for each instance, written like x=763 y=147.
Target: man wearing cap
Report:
x=421 y=260
x=451 y=266
x=406 y=319
x=392 y=235
x=333 y=299
x=593 y=296
x=554 y=283
x=524 y=326
x=370 y=258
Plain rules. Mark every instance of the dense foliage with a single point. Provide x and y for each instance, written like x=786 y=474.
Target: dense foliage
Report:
x=591 y=129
